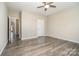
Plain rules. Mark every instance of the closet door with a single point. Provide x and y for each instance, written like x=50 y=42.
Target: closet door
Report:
x=40 y=27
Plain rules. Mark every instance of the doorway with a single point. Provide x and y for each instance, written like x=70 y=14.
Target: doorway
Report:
x=17 y=28
x=13 y=29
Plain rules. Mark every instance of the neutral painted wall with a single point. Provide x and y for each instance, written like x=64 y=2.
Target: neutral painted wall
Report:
x=65 y=24
x=3 y=26
x=29 y=24
x=13 y=13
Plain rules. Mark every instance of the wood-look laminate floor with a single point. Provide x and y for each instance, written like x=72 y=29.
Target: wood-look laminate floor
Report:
x=42 y=46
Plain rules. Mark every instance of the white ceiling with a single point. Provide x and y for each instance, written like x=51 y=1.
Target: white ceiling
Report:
x=32 y=7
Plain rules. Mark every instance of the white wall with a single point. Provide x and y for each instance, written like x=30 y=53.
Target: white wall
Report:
x=3 y=26
x=13 y=13
x=65 y=24
x=29 y=24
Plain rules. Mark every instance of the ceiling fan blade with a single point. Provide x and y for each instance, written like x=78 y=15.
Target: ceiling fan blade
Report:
x=44 y=3
x=52 y=6
x=40 y=6
x=45 y=9
x=49 y=3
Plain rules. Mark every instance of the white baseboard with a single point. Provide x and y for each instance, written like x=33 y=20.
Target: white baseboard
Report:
x=52 y=37
x=63 y=39
x=3 y=47
x=29 y=38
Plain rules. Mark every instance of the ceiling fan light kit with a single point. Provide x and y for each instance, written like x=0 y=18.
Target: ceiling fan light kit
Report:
x=47 y=5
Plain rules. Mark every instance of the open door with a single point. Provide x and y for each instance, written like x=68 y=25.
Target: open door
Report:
x=13 y=29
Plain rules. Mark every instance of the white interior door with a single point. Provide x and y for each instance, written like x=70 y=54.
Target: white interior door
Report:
x=40 y=27
x=11 y=28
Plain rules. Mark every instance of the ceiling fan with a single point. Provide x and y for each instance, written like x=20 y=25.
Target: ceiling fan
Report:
x=47 y=5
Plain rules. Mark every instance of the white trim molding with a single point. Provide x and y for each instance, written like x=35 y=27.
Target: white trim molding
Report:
x=29 y=38
x=63 y=39
x=3 y=47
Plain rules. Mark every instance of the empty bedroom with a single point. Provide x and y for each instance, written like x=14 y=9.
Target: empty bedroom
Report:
x=39 y=28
